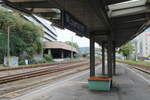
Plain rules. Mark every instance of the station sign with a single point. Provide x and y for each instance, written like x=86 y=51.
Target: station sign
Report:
x=71 y=23
x=66 y=20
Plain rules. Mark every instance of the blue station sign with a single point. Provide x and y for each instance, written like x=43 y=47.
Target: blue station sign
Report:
x=71 y=23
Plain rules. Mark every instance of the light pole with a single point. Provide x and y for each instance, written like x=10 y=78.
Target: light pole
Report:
x=8 y=45
x=72 y=48
x=136 y=55
x=42 y=51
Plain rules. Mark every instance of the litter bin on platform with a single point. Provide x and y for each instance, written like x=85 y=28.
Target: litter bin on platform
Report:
x=99 y=83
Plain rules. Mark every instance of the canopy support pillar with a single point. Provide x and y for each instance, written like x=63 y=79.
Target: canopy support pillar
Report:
x=109 y=57
x=114 y=60
x=92 y=56
x=103 y=59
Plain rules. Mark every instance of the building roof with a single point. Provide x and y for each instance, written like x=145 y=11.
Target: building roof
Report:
x=59 y=45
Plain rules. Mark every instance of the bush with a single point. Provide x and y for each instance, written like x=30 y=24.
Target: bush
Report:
x=21 y=62
x=42 y=61
x=48 y=58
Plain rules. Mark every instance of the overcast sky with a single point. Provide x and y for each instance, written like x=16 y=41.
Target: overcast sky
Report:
x=67 y=35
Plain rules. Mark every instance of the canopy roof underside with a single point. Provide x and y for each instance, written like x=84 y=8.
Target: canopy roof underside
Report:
x=122 y=19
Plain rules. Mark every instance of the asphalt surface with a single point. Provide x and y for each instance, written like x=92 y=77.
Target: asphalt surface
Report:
x=128 y=84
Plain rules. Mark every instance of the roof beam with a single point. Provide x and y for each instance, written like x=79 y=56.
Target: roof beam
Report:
x=130 y=11
x=10 y=4
x=35 y=4
x=108 y=2
x=47 y=14
x=125 y=19
x=142 y=28
x=99 y=8
x=100 y=32
x=131 y=21
x=128 y=25
x=1 y=2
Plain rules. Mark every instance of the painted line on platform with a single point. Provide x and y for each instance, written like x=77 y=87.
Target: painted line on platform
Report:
x=139 y=75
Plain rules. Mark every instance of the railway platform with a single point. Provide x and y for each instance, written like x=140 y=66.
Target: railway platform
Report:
x=128 y=84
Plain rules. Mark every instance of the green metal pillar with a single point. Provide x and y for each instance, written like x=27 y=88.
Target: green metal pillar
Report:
x=103 y=59
x=109 y=57
x=114 y=60
x=92 y=56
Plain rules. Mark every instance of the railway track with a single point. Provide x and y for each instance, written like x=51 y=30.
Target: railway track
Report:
x=37 y=65
x=140 y=69
x=55 y=68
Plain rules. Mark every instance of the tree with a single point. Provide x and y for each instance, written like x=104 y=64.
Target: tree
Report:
x=24 y=35
x=126 y=49
x=3 y=46
x=73 y=44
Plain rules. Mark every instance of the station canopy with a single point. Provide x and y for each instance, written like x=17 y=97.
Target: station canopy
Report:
x=120 y=19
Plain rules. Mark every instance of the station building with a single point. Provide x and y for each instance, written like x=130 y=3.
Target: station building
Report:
x=142 y=44
x=59 y=50
x=50 y=33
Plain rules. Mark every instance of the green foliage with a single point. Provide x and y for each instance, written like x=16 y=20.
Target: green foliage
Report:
x=135 y=62
x=6 y=19
x=73 y=44
x=24 y=35
x=3 y=46
x=21 y=62
x=126 y=49
x=48 y=58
